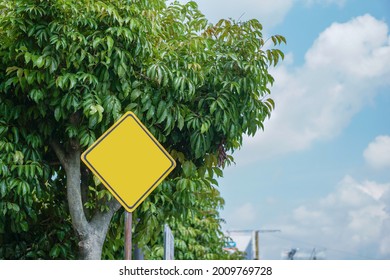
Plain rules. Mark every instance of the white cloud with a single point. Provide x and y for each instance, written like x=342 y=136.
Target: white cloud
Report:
x=339 y=3
x=308 y=216
x=352 y=194
x=243 y=215
x=269 y=13
x=352 y=222
x=358 y=49
x=385 y=240
x=343 y=70
x=377 y=154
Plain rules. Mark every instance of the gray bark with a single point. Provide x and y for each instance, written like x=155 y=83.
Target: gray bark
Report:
x=91 y=233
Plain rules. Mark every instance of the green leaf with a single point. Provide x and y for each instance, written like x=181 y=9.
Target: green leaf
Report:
x=27 y=57
x=96 y=42
x=96 y=181
x=150 y=113
x=40 y=62
x=15 y=207
x=57 y=114
x=161 y=107
x=213 y=107
x=163 y=116
x=9 y=70
x=121 y=71
x=169 y=122
x=189 y=168
x=110 y=43
x=24 y=226
x=55 y=251
x=73 y=81
x=18 y=157
x=180 y=122
x=36 y=95
x=93 y=121
x=3 y=189
x=60 y=235
x=30 y=77
x=19 y=73
x=218 y=171
x=135 y=94
x=204 y=127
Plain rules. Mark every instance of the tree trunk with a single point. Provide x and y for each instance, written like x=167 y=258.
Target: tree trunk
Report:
x=91 y=233
x=91 y=246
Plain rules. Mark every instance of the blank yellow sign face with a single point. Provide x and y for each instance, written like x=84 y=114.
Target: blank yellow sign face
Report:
x=129 y=161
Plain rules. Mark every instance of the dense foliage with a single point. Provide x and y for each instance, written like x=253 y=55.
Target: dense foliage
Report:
x=70 y=68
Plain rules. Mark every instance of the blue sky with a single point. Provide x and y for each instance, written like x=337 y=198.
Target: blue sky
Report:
x=320 y=172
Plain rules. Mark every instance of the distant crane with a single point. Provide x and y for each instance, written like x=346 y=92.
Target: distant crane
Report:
x=313 y=255
x=255 y=238
x=293 y=254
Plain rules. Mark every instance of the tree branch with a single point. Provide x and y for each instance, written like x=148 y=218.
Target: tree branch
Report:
x=84 y=188
x=101 y=220
x=73 y=183
x=59 y=152
x=70 y=160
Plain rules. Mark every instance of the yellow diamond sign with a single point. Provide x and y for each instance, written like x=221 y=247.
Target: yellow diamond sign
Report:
x=129 y=161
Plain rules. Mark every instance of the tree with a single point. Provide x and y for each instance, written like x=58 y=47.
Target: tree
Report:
x=70 y=68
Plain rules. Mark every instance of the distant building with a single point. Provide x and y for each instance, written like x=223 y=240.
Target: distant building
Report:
x=247 y=241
